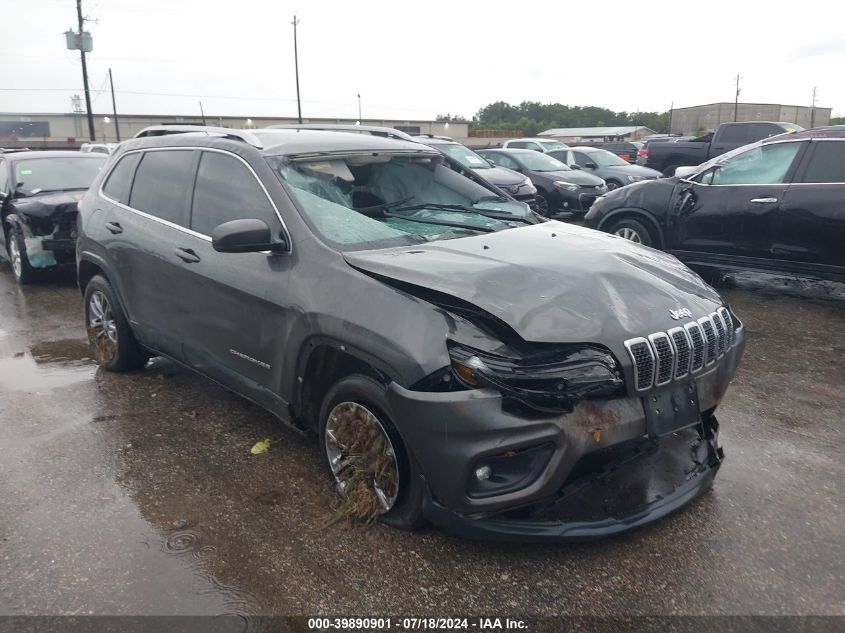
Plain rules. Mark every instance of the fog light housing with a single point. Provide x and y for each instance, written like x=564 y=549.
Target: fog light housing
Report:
x=483 y=473
x=508 y=472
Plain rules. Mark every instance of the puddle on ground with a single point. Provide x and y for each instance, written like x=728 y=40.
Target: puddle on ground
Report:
x=47 y=365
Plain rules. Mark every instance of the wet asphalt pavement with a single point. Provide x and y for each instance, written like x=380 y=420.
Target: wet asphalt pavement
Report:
x=137 y=494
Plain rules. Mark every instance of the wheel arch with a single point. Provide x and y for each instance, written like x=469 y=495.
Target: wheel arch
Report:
x=321 y=363
x=636 y=214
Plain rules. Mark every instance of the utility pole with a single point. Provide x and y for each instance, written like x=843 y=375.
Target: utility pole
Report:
x=85 y=73
x=813 y=110
x=114 y=108
x=296 y=64
x=736 y=99
x=202 y=113
x=359 y=109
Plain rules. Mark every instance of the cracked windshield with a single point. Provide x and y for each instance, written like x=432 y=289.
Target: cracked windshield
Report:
x=382 y=200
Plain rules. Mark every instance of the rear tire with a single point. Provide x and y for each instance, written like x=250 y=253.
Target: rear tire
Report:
x=360 y=400
x=670 y=170
x=632 y=230
x=112 y=342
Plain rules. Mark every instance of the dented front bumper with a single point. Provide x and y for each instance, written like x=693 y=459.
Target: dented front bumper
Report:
x=453 y=434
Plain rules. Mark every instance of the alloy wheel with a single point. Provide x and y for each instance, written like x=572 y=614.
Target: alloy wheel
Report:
x=102 y=327
x=362 y=459
x=611 y=185
x=628 y=233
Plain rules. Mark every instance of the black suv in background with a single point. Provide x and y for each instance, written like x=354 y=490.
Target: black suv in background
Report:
x=775 y=205
x=459 y=359
x=38 y=196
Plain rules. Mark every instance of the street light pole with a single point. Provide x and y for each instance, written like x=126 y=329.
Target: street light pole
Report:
x=296 y=64
x=85 y=73
x=359 y=108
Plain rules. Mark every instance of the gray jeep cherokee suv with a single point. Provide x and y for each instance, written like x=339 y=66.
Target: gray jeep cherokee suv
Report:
x=460 y=359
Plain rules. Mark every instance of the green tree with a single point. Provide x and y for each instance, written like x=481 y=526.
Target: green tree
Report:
x=837 y=120
x=533 y=117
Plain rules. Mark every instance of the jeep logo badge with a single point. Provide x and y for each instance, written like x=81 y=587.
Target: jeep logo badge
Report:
x=680 y=313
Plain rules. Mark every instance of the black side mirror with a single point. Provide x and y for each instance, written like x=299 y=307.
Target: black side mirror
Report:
x=575 y=166
x=245 y=236
x=591 y=166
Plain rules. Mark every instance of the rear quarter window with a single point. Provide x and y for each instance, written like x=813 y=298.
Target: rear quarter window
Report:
x=119 y=180
x=827 y=163
x=162 y=185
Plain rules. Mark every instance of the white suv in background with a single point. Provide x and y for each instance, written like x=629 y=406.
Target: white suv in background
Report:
x=543 y=145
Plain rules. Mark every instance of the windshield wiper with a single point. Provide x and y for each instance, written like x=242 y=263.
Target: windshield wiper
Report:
x=458 y=225
x=459 y=208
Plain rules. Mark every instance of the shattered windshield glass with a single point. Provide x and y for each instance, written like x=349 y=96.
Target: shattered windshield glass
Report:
x=377 y=200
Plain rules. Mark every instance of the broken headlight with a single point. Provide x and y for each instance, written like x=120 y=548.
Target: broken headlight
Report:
x=549 y=380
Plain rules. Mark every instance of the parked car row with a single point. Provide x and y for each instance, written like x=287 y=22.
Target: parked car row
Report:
x=452 y=351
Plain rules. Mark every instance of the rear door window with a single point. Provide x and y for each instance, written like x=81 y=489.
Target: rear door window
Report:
x=227 y=190
x=518 y=144
x=4 y=177
x=827 y=163
x=120 y=179
x=162 y=186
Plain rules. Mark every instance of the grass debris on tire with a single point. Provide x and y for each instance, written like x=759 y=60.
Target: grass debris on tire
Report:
x=366 y=469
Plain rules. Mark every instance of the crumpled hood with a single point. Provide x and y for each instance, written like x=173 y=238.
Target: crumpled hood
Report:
x=43 y=205
x=553 y=282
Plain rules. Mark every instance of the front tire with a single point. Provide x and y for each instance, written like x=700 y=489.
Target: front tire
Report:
x=632 y=230
x=16 y=247
x=541 y=205
x=112 y=341
x=365 y=456
x=613 y=184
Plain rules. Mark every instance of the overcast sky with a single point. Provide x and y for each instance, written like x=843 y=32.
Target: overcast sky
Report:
x=415 y=59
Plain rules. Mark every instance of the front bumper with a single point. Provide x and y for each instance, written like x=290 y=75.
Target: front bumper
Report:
x=626 y=494
x=451 y=433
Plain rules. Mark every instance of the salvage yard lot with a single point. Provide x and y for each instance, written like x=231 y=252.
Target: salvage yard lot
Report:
x=137 y=494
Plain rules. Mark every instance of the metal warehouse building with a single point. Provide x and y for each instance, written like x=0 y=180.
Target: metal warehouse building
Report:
x=706 y=118
x=60 y=131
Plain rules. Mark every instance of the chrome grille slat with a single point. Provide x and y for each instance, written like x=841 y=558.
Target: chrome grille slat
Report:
x=662 y=357
x=697 y=339
x=709 y=330
x=729 y=326
x=683 y=349
x=721 y=332
x=643 y=357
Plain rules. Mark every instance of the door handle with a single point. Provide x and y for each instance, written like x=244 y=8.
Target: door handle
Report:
x=187 y=255
x=763 y=200
x=114 y=227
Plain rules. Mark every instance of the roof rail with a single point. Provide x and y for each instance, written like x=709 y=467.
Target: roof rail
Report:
x=12 y=150
x=374 y=130
x=238 y=135
x=435 y=136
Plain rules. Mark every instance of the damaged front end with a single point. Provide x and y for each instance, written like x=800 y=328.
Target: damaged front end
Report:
x=549 y=441
x=47 y=223
x=608 y=492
